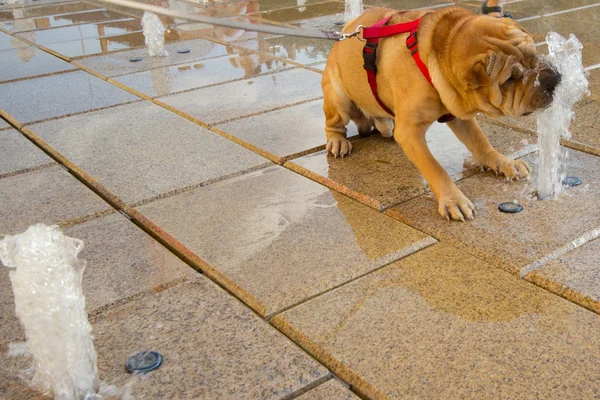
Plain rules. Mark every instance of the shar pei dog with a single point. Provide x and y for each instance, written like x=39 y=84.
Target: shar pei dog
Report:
x=470 y=64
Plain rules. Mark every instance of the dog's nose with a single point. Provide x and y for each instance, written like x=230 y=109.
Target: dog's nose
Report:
x=548 y=79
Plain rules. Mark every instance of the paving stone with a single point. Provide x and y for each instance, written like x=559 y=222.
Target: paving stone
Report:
x=281 y=238
x=4 y=124
x=181 y=77
x=220 y=103
x=46 y=10
x=442 y=324
x=8 y=42
x=161 y=152
x=300 y=50
x=575 y=275
x=378 y=172
x=29 y=61
x=87 y=31
x=565 y=24
x=56 y=95
x=304 y=130
x=304 y=12
x=529 y=8
x=514 y=241
x=35 y=24
x=49 y=195
x=122 y=261
x=332 y=389
x=18 y=153
x=212 y=347
x=119 y=64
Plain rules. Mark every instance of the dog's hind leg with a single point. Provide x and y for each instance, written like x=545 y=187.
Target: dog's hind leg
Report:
x=363 y=123
x=338 y=110
x=384 y=126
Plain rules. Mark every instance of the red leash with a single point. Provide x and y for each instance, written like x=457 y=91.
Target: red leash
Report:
x=379 y=30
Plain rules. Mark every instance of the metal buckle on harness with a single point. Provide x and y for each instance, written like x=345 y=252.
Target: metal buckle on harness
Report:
x=370 y=56
x=411 y=43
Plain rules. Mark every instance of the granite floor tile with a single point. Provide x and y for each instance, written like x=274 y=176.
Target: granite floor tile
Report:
x=49 y=195
x=18 y=153
x=35 y=24
x=575 y=275
x=303 y=133
x=514 y=241
x=181 y=77
x=379 y=174
x=4 y=124
x=87 y=31
x=122 y=261
x=330 y=390
x=26 y=62
x=212 y=347
x=56 y=95
x=405 y=4
x=46 y=10
x=448 y=325
x=223 y=102
x=304 y=12
x=280 y=238
x=161 y=152
x=8 y=42
x=119 y=64
x=300 y=50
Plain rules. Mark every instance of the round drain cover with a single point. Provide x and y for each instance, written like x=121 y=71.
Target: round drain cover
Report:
x=183 y=51
x=571 y=181
x=510 y=207
x=143 y=362
x=135 y=59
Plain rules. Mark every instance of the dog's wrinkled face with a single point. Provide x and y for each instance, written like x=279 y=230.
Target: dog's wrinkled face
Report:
x=503 y=75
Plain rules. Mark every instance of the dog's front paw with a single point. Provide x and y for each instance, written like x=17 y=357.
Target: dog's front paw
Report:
x=338 y=146
x=455 y=206
x=512 y=169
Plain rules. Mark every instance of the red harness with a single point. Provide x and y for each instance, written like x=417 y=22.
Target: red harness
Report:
x=379 y=30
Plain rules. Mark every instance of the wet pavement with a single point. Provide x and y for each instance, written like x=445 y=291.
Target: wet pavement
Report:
x=218 y=233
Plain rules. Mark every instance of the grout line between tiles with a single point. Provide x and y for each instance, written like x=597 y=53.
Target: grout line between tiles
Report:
x=571 y=10
x=27 y=124
x=143 y=202
x=26 y=170
x=316 y=383
x=26 y=78
x=573 y=244
x=384 y=261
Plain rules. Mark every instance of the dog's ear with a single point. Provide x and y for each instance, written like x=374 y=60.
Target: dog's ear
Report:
x=477 y=75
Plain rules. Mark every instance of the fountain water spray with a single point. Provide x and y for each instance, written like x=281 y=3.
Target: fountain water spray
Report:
x=553 y=122
x=154 y=35
x=353 y=9
x=46 y=279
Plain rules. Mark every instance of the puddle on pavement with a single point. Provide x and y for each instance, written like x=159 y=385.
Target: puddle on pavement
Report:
x=87 y=31
x=313 y=11
x=34 y=12
x=300 y=50
x=177 y=78
x=34 y=24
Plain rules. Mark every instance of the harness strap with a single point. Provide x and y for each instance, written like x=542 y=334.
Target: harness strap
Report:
x=373 y=33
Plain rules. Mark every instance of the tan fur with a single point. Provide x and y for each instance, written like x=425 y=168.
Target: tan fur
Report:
x=470 y=59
